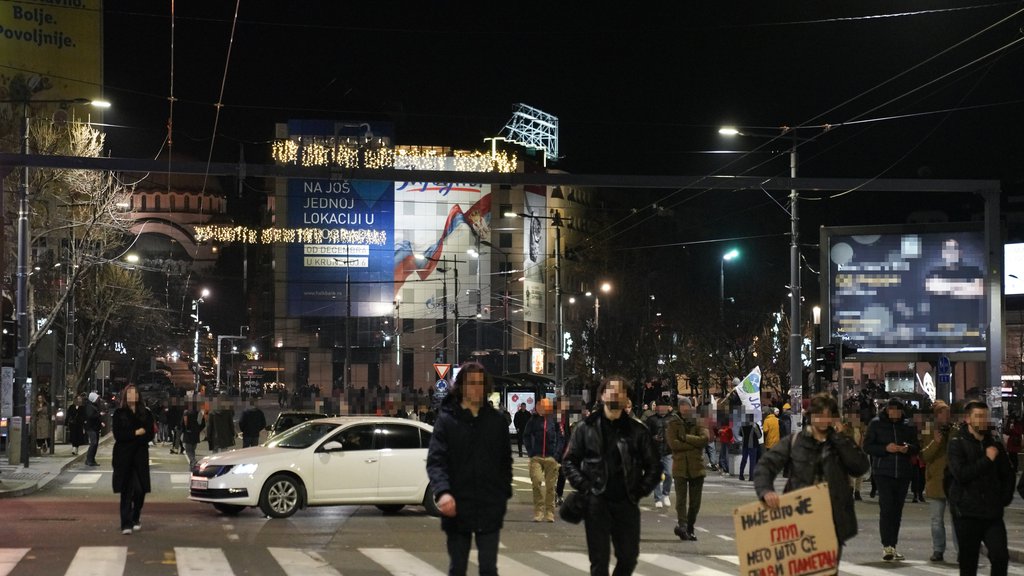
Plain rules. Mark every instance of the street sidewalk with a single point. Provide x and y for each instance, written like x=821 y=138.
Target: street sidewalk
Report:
x=16 y=480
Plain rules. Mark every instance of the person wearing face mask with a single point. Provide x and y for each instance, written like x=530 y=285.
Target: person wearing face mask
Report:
x=815 y=454
x=981 y=488
x=612 y=460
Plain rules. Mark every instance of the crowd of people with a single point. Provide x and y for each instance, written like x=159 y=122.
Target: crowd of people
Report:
x=615 y=457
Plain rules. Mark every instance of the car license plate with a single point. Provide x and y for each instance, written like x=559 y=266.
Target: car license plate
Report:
x=199 y=483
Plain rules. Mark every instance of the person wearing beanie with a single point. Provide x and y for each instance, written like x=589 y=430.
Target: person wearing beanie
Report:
x=93 y=424
x=687 y=438
x=891 y=441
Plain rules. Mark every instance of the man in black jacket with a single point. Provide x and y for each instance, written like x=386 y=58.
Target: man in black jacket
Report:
x=519 y=421
x=981 y=487
x=469 y=463
x=252 y=422
x=612 y=460
x=891 y=441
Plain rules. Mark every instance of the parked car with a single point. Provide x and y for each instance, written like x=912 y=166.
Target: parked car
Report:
x=330 y=461
x=288 y=419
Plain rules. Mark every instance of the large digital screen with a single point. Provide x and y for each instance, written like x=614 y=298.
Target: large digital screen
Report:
x=1013 y=258
x=908 y=291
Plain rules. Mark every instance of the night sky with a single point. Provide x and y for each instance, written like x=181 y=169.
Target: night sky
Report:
x=637 y=91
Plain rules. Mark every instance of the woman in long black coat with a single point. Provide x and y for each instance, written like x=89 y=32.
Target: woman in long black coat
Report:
x=133 y=427
x=470 y=468
x=75 y=422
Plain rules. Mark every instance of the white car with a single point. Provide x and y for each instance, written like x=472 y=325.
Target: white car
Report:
x=329 y=461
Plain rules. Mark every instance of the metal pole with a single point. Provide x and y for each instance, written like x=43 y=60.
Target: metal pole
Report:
x=504 y=324
x=455 y=265
x=348 y=314
x=23 y=388
x=444 y=309
x=795 y=336
x=721 y=292
x=195 y=346
x=480 y=297
x=559 y=366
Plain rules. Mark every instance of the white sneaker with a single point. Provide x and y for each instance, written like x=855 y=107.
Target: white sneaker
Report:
x=667 y=502
x=658 y=504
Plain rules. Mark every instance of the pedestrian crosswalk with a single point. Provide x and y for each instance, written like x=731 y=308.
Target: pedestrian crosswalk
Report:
x=198 y=561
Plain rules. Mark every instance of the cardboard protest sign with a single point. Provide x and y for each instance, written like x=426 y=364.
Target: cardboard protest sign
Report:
x=797 y=539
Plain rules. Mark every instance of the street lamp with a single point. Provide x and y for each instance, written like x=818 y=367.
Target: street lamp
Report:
x=730 y=255
x=195 y=342
x=557 y=221
x=22 y=385
x=795 y=338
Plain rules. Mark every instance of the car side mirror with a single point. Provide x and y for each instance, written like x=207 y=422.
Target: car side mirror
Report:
x=332 y=446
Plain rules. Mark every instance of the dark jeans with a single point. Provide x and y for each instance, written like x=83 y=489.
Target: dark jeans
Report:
x=618 y=520
x=248 y=441
x=688 y=489
x=519 y=441
x=991 y=531
x=560 y=483
x=132 y=499
x=723 y=457
x=459 y=544
x=94 y=442
x=752 y=454
x=892 y=494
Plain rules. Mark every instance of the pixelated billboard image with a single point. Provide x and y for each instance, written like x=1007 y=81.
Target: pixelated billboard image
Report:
x=909 y=291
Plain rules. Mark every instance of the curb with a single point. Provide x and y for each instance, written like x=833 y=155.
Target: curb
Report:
x=29 y=487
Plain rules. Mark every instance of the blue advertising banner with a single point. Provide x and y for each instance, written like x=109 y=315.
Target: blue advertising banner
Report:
x=355 y=250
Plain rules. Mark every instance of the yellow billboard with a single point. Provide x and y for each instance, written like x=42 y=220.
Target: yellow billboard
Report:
x=51 y=49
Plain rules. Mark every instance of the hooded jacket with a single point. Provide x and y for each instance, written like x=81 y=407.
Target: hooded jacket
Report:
x=687 y=439
x=832 y=461
x=881 y=432
x=980 y=488
x=471 y=459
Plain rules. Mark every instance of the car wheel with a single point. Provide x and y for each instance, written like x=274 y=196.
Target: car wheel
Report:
x=390 y=508
x=229 y=509
x=430 y=504
x=281 y=496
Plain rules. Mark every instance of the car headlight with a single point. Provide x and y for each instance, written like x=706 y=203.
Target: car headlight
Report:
x=244 y=469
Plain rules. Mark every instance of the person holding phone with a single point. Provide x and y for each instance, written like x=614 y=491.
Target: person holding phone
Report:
x=891 y=440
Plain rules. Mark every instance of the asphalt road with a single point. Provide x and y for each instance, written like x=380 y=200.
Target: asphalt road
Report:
x=71 y=527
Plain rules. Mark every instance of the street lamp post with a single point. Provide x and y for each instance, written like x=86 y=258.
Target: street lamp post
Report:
x=795 y=338
x=195 y=342
x=506 y=270
x=23 y=388
x=557 y=221
x=731 y=254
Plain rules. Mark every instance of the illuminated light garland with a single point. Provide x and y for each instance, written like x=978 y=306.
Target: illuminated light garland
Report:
x=290 y=235
x=345 y=153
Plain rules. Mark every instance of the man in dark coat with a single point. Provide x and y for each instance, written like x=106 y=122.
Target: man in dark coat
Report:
x=252 y=422
x=93 y=425
x=687 y=437
x=818 y=453
x=470 y=468
x=192 y=423
x=134 y=427
x=519 y=421
x=612 y=460
x=981 y=488
x=891 y=441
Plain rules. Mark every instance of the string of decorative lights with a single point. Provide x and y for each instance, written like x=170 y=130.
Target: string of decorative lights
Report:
x=350 y=153
x=290 y=235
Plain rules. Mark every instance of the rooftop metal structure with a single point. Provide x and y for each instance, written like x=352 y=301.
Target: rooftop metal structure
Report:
x=533 y=128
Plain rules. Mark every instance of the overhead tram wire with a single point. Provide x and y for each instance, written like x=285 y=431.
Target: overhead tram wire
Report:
x=807 y=123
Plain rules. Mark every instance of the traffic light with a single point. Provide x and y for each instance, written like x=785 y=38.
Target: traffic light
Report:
x=825 y=360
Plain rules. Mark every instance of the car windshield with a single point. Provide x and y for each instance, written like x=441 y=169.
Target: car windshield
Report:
x=302 y=436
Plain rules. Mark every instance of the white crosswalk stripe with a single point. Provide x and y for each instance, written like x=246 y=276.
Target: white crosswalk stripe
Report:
x=194 y=561
x=400 y=563
x=9 y=558
x=302 y=562
x=98 y=561
x=202 y=562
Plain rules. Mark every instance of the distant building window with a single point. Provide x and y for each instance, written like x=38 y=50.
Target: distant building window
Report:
x=408 y=325
x=503 y=209
x=156 y=202
x=142 y=205
x=174 y=203
x=439 y=326
x=505 y=240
